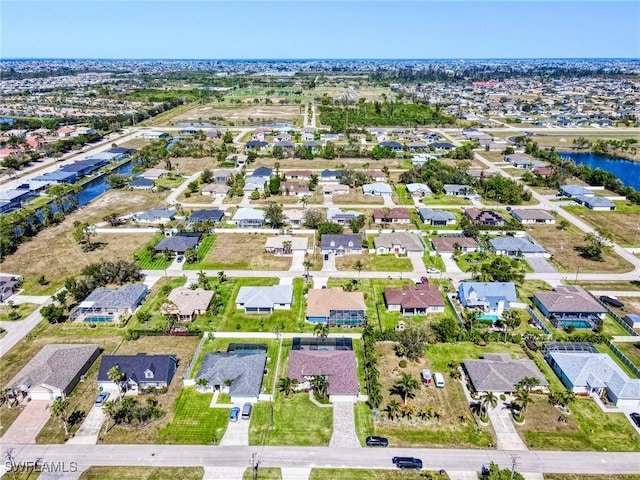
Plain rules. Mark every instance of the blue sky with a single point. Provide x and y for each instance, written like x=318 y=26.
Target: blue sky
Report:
x=329 y=29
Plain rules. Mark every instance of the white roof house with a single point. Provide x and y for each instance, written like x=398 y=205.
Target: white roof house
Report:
x=265 y=299
x=377 y=189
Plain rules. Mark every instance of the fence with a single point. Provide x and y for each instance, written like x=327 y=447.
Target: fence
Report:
x=455 y=311
x=623 y=358
x=538 y=321
x=621 y=322
x=196 y=355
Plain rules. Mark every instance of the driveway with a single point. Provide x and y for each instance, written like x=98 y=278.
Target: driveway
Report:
x=540 y=265
x=416 y=261
x=344 y=428
x=88 y=433
x=223 y=473
x=329 y=265
x=298 y=260
x=507 y=437
x=237 y=433
x=295 y=473
x=449 y=263
x=388 y=201
x=26 y=427
x=327 y=200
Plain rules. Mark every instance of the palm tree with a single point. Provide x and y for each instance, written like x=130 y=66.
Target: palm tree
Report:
x=392 y=409
x=320 y=384
x=59 y=408
x=426 y=413
x=203 y=281
x=110 y=411
x=489 y=399
x=304 y=201
x=307 y=264
x=221 y=277
x=375 y=398
x=409 y=411
x=202 y=383
x=287 y=385
x=523 y=397
x=321 y=330
x=528 y=383
x=406 y=387
x=358 y=266
x=116 y=376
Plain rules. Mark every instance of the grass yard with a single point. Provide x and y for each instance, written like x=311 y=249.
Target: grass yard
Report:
x=226 y=254
x=142 y=473
x=456 y=427
x=263 y=474
x=203 y=250
x=194 y=423
x=147 y=260
x=445 y=200
x=184 y=348
x=562 y=245
x=631 y=351
x=153 y=303
x=588 y=428
x=404 y=197
x=527 y=288
x=623 y=223
x=581 y=476
x=355 y=196
x=604 y=348
x=363 y=474
x=376 y=263
x=296 y=421
x=23 y=310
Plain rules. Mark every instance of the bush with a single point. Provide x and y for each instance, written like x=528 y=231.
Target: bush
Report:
x=403 y=364
x=503 y=397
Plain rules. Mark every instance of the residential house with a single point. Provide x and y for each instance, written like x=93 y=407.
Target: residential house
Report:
x=105 y=305
x=154 y=173
x=341 y=244
x=141 y=184
x=223 y=175
x=448 y=245
x=141 y=372
x=294 y=189
x=179 y=243
x=593 y=373
x=299 y=174
x=59 y=176
x=155 y=215
x=9 y=284
x=459 y=190
x=517 y=247
x=295 y=217
x=337 y=215
x=238 y=375
x=214 y=216
x=526 y=215
x=501 y=374
x=376 y=175
x=239 y=159
x=632 y=320
x=486 y=217
x=330 y=175
x=417 y=146
x=377 y=189
x=520 y=161
x=491 y=297
x=336 y=307
x=256 y=144
x=443 y=146
x=185 y=304
x=216 y=190
x=398 y=243
x=54 y=371
x=265 y=172
x=436 y=218
x=154 y=134
x=595 y=203
x=419 y=299
x=265 y=299
x=286 y=244
x=254 y=184
x=339 y=367
x=419 y=190
x=422 y=158
x=248 y=218
x=314 y=145
x=397 y=215
x=394 y=146
x=575 y=190
x=570 y=305
x=335 y=189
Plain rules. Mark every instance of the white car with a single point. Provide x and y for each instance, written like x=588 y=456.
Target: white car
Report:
x=433 y=270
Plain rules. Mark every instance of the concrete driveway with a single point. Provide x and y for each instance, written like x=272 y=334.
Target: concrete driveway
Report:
x=330 y=264
x=237 y=433
x=506 y=434
x=26 y=427
x=297 y=261
x=449 y=263
x=344 y=428
x=388 y=201
x=416 y=262
x=540 y=265
x=88 y=433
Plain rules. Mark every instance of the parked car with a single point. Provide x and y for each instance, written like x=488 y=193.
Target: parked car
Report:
x=102 y=398
x=426 y=377
x=246 y=411
x=375 y=441
x=407 y=462
x=433 y=270
x=235 y=414
x=635 y=416
x=613 y=302
x=180 y=258
x=438 y=379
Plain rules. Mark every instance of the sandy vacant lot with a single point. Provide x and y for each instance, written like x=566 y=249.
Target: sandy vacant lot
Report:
x=289 y=113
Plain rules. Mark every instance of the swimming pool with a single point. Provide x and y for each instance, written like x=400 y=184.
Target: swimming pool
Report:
x=98 y=319
x=576 y=323
x=493 y=318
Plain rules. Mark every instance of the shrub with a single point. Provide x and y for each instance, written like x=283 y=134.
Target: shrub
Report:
x=503 y=397
x=403 y=364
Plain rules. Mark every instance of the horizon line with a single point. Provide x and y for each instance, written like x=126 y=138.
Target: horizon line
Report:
x=397 y=59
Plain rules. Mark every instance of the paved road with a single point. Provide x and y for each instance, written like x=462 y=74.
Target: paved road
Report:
x=326 y=457
x=16 y=331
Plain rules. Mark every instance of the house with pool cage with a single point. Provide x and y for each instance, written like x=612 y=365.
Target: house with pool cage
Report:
x=104 y=305
x=570 y=306
x=336 y=307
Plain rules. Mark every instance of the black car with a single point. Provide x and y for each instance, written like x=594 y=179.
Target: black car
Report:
x=407 y=462
x=374 y=441
x=614 y=302
x=635 y=416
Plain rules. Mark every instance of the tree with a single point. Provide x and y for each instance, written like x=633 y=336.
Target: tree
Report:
x=406 y=387
x=304 y=201
x=191 y=255
x=82 y=233
x=287 y=386
x=60 y=409
x=274 y=215
x=412 y=340
x=329 y=228
x=116 y=376
x=53 y=313
x=447 y=330
x=488 y=399
x=320 y=384
x=358 y=266
x=313 y=218
x=222 y=277
x=528 y=383
x=307 y=264
x=202 y=382
x=598 y=242
x=203 y=281
x=321 y=330
x=392 y=409
x=523 y=397
x=116 y=181
x=495 y=473
x=207 y=176
x=502 y=269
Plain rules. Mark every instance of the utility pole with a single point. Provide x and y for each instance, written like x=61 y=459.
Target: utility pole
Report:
x=254 y=465
x=514 y=463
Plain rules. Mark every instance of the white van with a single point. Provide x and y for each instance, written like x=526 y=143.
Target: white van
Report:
x=438 y=379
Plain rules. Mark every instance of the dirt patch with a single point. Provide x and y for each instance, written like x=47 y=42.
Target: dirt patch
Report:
x=623 y=227
x=251 y=256
x=562 y=245
x=259 y=112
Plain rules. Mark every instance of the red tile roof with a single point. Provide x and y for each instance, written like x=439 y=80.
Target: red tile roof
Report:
x=419 y=296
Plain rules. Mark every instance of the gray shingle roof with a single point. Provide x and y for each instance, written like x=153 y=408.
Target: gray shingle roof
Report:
x=125 y=297
x=568 y=299
x=515 y=244
x=264 y=297
x=329 y=241
x=246 y=371
x=178 y=243
x=500 y=373
x=410 y=241
x=56 y=365
x=338 y=366
x=134 y=367
x=436 y=215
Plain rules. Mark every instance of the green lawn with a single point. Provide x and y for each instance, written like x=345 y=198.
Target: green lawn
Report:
x=194 y=422
x=604 y=348
x=263 y=474
x=169 y=182
x=631 y=351
x=203 y=249
x=390 y=263
x=296 y=421
x=403 y=196
x=445 y=200
x=596 y=431
x=527 y=288
x=153 y=302
x=139 y=473
x=582 y=476
x=362 y=474
x=23 y=310
x=146 y=259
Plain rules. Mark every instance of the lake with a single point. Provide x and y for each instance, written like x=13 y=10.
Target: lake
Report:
x=626 y=170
